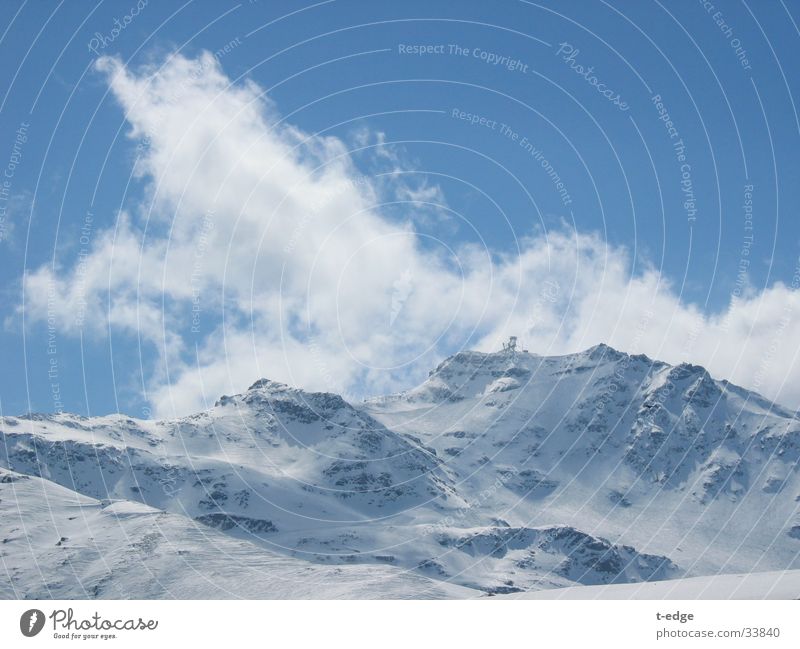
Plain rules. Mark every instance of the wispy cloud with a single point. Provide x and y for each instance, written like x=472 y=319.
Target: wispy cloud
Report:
x=267 y=253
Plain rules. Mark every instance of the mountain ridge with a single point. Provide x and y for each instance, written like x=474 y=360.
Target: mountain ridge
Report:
x=642 y=470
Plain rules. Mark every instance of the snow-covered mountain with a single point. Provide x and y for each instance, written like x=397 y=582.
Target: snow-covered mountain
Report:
x=500 y=473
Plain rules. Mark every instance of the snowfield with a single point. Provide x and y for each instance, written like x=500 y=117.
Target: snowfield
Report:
x=758 y=585
x=595 y=474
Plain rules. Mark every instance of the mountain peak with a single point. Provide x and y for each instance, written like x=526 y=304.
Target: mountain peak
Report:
x=491 y=361
x=268 y=384
x=602 y=350
x=261 y=386
x=266 y=395
x=483 y=361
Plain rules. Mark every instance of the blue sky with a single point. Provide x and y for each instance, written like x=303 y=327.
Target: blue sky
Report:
x=453 y=124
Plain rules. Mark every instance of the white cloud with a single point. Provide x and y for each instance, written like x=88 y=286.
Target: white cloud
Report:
x=270 y=240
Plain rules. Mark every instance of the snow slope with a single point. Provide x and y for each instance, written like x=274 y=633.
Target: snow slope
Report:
x=57 y=544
